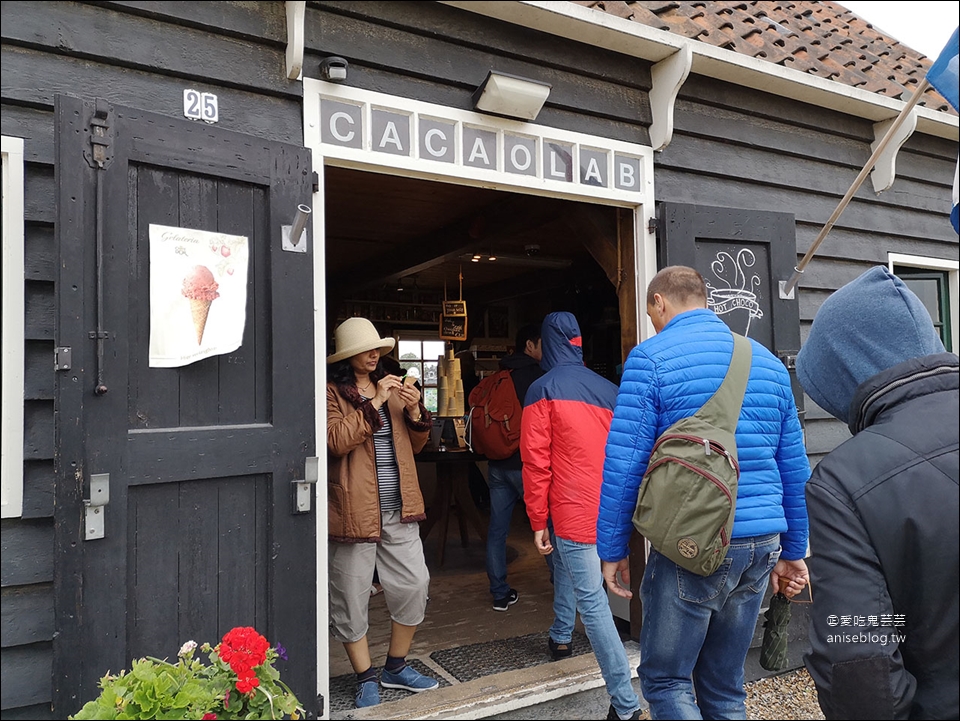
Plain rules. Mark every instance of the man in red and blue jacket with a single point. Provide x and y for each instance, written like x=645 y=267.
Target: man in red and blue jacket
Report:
x=566 y=417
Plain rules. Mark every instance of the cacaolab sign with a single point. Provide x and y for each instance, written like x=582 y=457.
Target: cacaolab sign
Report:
x=376 y=129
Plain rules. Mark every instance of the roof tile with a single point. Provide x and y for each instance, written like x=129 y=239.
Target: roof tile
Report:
x=819 y=38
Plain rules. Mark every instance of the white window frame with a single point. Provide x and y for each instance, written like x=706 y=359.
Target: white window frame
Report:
x=11 y=410
x=419 y=336
x=953 y=284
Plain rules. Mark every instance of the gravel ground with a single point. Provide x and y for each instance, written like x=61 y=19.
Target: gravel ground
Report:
x=791 y=695
x=787 y=696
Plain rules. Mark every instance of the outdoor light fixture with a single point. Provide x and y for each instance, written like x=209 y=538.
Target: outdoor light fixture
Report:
x=333 y=69
x=511 y=96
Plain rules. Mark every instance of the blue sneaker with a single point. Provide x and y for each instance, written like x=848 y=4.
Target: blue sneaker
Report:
x=368 y=694
x=409 y=679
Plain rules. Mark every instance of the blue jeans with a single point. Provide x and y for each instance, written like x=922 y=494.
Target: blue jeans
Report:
x=506 y=488
x=697 y=630
x=577 y=578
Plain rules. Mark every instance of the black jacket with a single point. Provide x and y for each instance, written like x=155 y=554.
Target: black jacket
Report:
x=885 y=545
x=524 y=371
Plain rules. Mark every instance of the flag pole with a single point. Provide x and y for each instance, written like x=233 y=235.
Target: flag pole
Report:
x=786 y=288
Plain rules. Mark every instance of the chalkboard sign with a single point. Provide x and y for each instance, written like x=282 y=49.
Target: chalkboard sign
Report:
x=455 y=307
x=453 y=327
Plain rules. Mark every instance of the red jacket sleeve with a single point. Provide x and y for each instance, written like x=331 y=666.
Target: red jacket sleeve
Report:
x=536 y=453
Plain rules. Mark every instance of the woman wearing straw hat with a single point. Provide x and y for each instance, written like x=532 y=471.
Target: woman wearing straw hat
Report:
x=375 y=423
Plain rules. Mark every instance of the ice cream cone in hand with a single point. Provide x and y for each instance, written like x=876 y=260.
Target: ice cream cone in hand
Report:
x=200 y=289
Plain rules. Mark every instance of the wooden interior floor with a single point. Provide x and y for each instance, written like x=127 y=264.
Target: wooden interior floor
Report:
x=460 y=610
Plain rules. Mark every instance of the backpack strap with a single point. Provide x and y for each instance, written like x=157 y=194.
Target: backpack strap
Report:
x=723 y=408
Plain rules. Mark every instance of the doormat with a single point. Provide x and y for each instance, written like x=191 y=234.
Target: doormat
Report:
x=344 y=688
x=466 y=663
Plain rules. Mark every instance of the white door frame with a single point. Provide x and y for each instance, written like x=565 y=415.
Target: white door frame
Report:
x=391 y=135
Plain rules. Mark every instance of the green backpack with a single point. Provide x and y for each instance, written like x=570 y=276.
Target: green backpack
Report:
x=688 y=496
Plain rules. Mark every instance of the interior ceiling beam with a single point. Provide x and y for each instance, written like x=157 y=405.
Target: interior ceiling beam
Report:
x=513 y=216
x=515 y=287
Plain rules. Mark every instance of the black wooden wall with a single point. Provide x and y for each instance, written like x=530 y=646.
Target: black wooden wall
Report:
x=140 y=54
x=733 y=147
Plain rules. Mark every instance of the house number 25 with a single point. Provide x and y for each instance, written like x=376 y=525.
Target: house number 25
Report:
x=200 y=106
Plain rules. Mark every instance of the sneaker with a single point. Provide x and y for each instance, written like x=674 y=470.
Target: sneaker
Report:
x=368 y=694
x=409 y=679
x=559 y=650
x=502 y=604
x=612 y=714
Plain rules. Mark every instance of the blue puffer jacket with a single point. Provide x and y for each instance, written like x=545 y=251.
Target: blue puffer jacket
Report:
x=669 y=377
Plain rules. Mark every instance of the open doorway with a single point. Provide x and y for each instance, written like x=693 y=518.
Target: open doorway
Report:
x=395 y=247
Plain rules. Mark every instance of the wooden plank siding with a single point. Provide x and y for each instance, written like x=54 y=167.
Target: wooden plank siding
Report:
x=141 y=54
x=735 y=148
x=732 y=148
x=438 y=54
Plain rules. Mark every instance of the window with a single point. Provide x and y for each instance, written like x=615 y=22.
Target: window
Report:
x=423 y=354
x=934 y=280
x=11 y=366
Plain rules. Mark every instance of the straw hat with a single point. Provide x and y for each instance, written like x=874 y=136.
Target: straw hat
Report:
x=358 y=335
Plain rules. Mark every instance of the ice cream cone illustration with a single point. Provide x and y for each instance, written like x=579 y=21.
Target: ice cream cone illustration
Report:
x=200 y=289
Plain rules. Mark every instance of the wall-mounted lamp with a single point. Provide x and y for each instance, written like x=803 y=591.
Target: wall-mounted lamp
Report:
x=511 y=96
x=294 y=236
x=334 y=69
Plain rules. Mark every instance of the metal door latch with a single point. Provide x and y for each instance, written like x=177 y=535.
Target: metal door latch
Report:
x=788 y=358
x=303 y=490
x=62 y=358
x=95 y=505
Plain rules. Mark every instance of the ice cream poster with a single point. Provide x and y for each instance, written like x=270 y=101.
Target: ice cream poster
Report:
x=198 y=294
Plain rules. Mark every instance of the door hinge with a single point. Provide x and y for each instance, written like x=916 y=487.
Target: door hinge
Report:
x=62 y=358
x=303 y=490
x=788 y=358
x=652 y=225
x=315 y=180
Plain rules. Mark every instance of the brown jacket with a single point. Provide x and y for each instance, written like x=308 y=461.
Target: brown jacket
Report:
x=353 y=499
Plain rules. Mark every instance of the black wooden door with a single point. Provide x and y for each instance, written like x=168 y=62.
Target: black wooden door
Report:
x=743 y=255
x=199 y=534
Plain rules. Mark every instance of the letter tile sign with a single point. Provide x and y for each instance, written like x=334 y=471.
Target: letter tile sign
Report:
x=363 y=129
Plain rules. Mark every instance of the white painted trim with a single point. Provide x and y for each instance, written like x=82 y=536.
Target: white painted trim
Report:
x=592 y=27
x=320 y=421
x=885 y=169
x=953 y=282
x=641 y=204
x=296 y=10
x=314 y=91
x=668 y=77
x=11 y=447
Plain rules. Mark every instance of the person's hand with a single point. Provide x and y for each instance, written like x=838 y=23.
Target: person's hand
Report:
x=385 y=387
x=411 y=399
x=795 y=571
x=610 y=571
x=541 y=539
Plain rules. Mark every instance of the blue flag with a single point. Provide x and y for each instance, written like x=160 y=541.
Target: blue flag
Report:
x=943 y=76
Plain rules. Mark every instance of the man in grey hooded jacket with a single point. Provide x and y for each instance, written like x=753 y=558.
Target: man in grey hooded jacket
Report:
x=883 y=507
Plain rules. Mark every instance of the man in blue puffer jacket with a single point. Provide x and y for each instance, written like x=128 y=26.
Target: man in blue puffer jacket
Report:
x=697 y=630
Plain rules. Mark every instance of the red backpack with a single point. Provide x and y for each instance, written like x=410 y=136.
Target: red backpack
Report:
x=494 y=420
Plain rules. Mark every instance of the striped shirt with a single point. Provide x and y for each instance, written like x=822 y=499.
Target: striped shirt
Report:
x=388 y=473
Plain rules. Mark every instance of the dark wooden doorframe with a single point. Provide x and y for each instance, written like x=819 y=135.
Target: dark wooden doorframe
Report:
x=260 y=451
x=613 y=244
